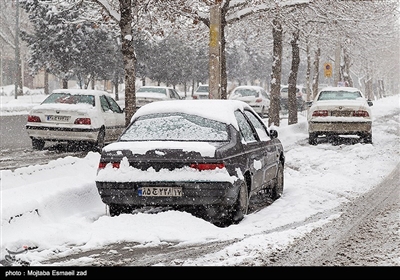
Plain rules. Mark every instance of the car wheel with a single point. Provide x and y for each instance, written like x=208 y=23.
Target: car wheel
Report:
x=37 y=144
x=241 y=205
x=277 y=190
x=223 y=216
x=115 y=210
x=312 y=138
x=100 y=140
x=367 y=138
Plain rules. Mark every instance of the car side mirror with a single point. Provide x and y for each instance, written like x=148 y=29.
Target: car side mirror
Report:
x=273 y=134
x=370 y=103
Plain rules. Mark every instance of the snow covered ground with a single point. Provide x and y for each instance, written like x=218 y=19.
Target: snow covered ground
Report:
x=57 y=208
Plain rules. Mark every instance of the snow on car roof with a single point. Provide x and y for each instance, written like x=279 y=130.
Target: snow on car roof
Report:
x=251 y=87
x=149 y=87
x=219 y=110
x=340 y=89
x=81 y=91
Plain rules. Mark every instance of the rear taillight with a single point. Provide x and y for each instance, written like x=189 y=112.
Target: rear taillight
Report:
x=320 y=113
x=258 y=100
x=83 y=121
x=360 y=113
x=194 y=97
x=33 y=119
x=102 y=165
x=207 y=166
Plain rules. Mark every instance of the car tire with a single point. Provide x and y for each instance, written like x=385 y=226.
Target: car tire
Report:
x=367 y=138
x=223 y=216
x=98 y=146
x=37 y=144
x=277 y=190
x=312 y=138
x=241 y=205
x=115 y=210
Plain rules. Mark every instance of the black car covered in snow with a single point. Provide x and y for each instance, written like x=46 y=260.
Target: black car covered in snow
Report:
x=205 y=156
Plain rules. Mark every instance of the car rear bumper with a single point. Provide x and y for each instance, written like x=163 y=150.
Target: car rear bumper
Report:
x=355 y=128
x=63 y=133
x=193 y=193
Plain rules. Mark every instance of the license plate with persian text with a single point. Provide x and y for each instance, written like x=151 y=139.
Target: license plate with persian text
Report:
x=160 y=191
x=56 y=118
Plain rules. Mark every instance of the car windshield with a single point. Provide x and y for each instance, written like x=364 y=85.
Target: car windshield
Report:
x=286 y=89
x=202 y=89
x=339 y=95
x=153 y=89
x=67 y=98
x=246 y=92
x=175 y=127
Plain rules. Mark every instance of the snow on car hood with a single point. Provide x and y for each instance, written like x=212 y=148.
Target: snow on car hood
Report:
x=142 y=147
x=153 y=95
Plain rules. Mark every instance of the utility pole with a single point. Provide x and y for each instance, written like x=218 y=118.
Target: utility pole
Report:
x=17 y=55
x=336 y=75
x=215 y=51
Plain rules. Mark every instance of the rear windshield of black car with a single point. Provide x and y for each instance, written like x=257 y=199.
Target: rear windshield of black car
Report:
x=175 y=127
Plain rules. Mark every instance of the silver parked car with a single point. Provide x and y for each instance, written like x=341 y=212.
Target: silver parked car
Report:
x=338 y=111
x=202 y=92
x=148 y=94
x=301 y=97
x=255 y=96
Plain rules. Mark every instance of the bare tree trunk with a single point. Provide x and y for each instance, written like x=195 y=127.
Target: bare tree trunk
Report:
x=381 y=88
x=224 y=78
x=64 y=82
x=346 y=68
x=292 y=99
x=368 y=83
x=116 y=91
x=276 y=73
x=93 y=81
x=308 y=73
x=316 y=72
x=46 y=82
x=129 y=58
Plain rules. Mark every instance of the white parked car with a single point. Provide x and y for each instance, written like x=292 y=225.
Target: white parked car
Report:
x=76 y=115
x=202 y=92
x=148 y=94
x=338 y=111
x=255 y=96
x=301 y=97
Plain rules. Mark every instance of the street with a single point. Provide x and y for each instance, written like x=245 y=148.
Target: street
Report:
x=13 y=134
x=16 y=148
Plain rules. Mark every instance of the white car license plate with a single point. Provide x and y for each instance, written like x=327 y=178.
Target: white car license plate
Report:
x=55 y=118
x=160 y=191
x=341 y=113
